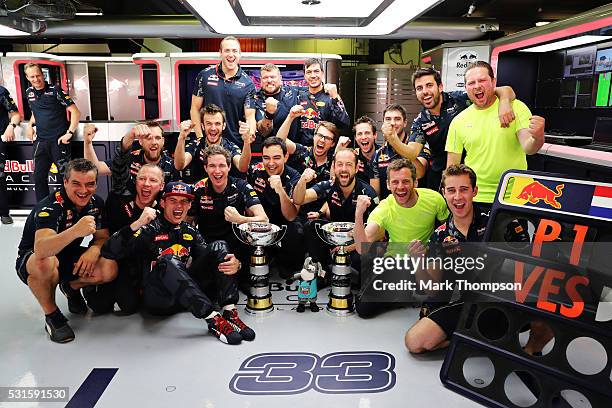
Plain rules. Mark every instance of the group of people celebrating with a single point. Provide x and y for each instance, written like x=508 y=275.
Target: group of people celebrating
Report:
x=163 y=239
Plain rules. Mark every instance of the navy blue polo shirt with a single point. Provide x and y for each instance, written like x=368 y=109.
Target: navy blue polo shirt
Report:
x=209 y=206
x=7 y=105
x=231 y=94
x=287 y=97
x=383 y=158
x=433 y=129
x=49 y=107
x=342 y=209
x=318 y=107
x=365 y=170
x=195 y=170
x=258 y=178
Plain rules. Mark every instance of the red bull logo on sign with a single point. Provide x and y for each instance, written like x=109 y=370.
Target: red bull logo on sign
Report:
x=536 y=191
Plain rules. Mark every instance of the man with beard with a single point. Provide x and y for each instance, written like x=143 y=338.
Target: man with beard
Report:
x=407 y=215
x=191 y=156
x=61 y=245
x=166 y=244
x=320 y=102
x=9 y=120
x=393 y=129
x=126 y=163
x=430 y=127
x=490 y=148
x=274 y=181
x=365 y=138
x=272 y=103
x=123 y=208
x=229 y=87
x=317 y=156
x=49 y=105
x=340 y=196
x=221 y=200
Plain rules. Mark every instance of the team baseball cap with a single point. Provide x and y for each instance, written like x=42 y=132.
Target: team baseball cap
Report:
x=178 y=188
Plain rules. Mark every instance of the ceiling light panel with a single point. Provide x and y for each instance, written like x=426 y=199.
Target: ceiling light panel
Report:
x=6 y=31
x=220 y=16
x=327 y=8
x=568 y=43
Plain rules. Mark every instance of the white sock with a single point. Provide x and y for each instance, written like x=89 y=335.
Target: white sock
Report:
x=229 y=307
x=212 y=315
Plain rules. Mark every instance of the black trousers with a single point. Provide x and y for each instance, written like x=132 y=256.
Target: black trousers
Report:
x=319 y=251
x=4 y=206
x=171 y=286
x=47 y=152
x=125 y=290
x=292 y=251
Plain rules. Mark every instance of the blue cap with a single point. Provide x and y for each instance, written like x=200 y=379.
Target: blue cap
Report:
x=178 y=188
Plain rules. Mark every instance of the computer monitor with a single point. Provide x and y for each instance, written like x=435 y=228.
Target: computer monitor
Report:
x=602 y=89
x=602 y=134
x=603 y=60
x=579 y=61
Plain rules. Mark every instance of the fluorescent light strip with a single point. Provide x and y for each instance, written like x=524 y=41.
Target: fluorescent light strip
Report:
x=327 y=8
x=567 y=43
x=225 y=22
x=6 y=31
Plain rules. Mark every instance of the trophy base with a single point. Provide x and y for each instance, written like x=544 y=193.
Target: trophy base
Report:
x=341 y=306
x=259 y=306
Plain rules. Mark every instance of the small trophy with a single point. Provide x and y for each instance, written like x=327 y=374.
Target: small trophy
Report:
x=259 y=235
x=340 y=297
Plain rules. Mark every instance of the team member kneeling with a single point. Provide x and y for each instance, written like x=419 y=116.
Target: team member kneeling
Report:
x=57 y=247
x=165 y=244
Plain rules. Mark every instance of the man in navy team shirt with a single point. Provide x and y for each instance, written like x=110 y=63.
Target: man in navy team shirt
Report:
x=229 y=87
x=49 y=104
x=9 y=119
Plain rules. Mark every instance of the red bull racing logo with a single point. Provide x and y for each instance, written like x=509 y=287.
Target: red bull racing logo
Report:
x=312 y=118
x=536 y=191
x=177 y=250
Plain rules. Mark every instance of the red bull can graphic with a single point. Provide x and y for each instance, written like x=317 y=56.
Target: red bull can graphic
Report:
x=536 y=191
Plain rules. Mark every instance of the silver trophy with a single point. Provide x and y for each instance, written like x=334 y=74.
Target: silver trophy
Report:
x=340 y=297
x=259 y=235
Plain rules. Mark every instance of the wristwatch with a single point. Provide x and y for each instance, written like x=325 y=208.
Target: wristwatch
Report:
x=14 y=125
x=71 y=132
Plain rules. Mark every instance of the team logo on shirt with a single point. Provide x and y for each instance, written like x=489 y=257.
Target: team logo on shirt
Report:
x=260 y=184
x=30 y=94
x=162 y=237
x=206 y=200
x=320 y=103
x=335 y=199
x=240 y=84
x=50 y=93
x=43 y=214
x=431 y=131
x=188 y=237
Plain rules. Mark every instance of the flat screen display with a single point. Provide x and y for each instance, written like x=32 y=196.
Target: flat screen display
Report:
x=603 y=131
x=603 y=60
x=579 y=61
x=602 y=95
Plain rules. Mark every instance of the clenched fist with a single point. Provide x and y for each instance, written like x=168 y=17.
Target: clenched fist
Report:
x=331 y=89
x=232 y=215
x=85 y=226
x=296 y=111
x=271 y=105
x=363 y=202
x=275 y=183
x=89 y=132
x=308 y=175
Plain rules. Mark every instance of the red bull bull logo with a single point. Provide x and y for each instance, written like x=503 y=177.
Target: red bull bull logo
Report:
x=536 y=191
x=312 y=118
x=177 y=250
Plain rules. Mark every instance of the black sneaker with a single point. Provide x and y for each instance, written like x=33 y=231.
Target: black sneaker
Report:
x=245 y=331
x=76 y=303
x=300 y=308
x=223 y=330
x=56 y=325
x=314 y=307
x=7 y=219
